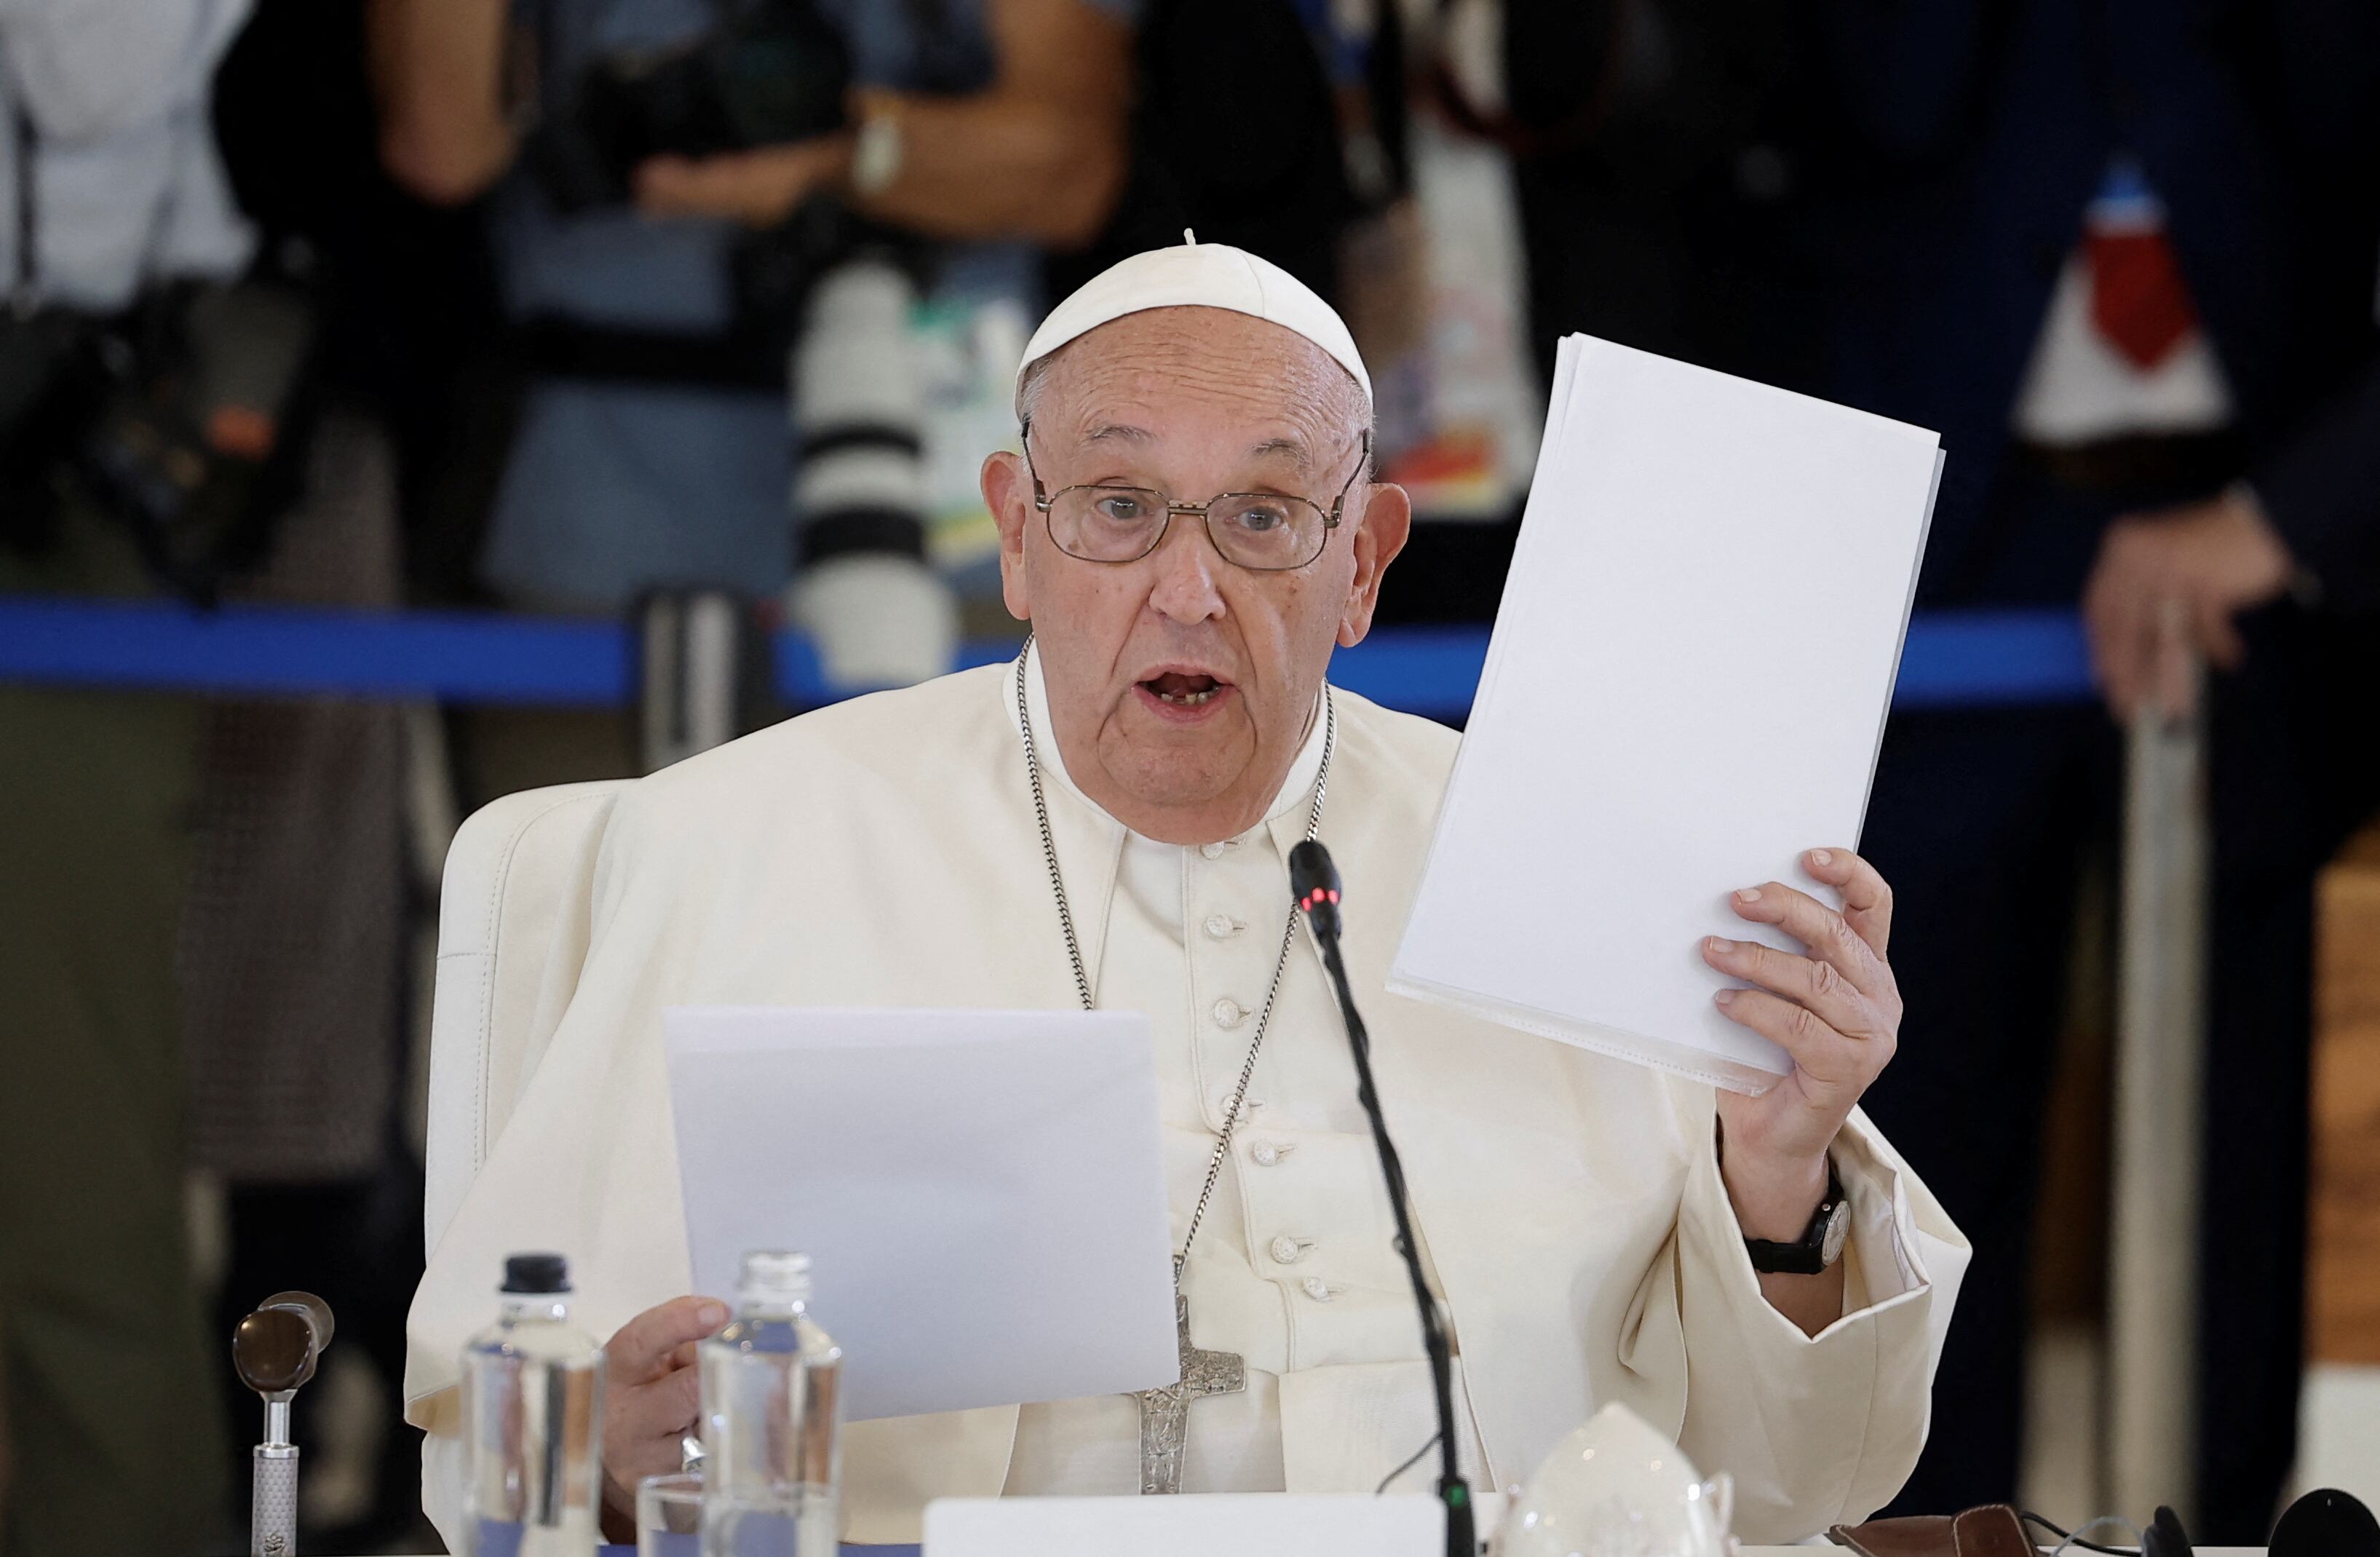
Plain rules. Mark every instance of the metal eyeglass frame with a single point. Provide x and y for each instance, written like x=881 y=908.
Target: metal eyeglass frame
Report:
x=1044 y=500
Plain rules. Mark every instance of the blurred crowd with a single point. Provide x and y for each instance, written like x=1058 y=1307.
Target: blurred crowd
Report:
x=551 y=305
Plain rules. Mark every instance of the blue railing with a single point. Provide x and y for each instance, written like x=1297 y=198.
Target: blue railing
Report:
x=1951 y=660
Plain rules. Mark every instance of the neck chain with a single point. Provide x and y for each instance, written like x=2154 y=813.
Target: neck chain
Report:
x=1074 y=947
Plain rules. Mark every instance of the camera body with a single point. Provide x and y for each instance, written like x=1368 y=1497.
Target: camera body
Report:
x=182 y=419
x=770 y=71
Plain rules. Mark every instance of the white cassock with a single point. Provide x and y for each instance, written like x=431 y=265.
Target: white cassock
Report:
x=884 y=851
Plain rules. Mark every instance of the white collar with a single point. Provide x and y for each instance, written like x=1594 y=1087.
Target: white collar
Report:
x=1294 y=788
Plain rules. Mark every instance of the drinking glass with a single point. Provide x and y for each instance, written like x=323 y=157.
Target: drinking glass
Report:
x=669 y=1515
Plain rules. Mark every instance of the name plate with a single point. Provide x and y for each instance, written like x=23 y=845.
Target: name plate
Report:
x=1197 y=1524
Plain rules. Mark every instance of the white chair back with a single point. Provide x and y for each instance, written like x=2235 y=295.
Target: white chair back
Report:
x=512 y=938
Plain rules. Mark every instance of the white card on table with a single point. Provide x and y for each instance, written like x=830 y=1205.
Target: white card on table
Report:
x=1686 y=689
x=1246 y=1524
x=981 y=1193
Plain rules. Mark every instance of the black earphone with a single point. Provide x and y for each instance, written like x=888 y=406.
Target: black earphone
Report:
x=2327 y=1523
x=2165 y=1537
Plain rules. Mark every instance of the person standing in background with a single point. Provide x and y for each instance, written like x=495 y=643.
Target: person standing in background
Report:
x=982 y=126
x=1651 y=192
x=110 y=191
x=1651 y=188
x=1273 y=125
x=2122 y=256
x=293 y=945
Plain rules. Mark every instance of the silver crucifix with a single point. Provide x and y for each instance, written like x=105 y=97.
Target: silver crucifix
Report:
x=1165 y=1411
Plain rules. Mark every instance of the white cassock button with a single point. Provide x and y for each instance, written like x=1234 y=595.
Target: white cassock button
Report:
x=1213 y=851
x=1287 y=1251
x=1265 y=1153
x=1221 y=927
x=1230 y=1013
x=1318 y=1289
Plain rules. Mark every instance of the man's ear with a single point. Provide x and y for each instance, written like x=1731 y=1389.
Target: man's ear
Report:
x=1008 y=492
x=1384 y=525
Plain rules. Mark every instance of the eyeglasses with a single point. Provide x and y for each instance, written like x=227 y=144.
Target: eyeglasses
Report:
x=1262 y=532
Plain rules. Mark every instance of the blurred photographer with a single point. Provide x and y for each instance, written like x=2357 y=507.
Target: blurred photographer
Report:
x=682 y=189
x=133 y=425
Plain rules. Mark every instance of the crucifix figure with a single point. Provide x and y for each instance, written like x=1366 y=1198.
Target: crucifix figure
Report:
x=1165 y=1411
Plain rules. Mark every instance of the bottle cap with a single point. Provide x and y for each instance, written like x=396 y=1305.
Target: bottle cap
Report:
x=536 y=1273
x=774 y=1276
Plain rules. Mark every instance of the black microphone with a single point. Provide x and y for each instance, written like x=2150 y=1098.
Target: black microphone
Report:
x=1315 y=881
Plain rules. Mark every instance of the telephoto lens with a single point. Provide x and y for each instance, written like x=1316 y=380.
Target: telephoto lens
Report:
x=876 y=610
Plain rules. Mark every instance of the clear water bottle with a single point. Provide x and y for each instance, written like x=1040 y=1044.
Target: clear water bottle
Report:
x=533 y=1422
x=772 y=1414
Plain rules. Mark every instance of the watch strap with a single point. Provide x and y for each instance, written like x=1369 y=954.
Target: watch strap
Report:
x=1806 y=1256
x=877 y=149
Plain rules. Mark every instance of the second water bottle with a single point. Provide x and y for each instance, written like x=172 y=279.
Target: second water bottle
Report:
x=772 y=1416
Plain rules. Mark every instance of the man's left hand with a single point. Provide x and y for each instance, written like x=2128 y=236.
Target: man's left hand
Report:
x=2171 y=579
x=1835 y=1010
x=758 y=187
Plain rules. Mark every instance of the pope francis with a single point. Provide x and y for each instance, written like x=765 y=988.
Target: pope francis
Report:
x=1190 y=527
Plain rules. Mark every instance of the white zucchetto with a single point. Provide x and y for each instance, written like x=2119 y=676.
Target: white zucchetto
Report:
x=1196 y=275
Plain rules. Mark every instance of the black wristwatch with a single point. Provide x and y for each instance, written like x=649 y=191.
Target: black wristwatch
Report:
x=1820 y=1245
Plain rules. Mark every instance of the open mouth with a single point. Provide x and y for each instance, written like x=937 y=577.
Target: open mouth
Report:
x=1185 y=690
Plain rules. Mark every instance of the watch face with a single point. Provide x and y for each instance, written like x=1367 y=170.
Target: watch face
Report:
x=1839 y=1231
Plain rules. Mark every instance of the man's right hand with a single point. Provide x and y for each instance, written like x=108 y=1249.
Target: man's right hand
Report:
x=651 y=1396
x=2175 y=579
x=759 y=187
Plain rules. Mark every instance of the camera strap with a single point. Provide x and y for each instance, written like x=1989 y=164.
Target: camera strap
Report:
x=22 y=288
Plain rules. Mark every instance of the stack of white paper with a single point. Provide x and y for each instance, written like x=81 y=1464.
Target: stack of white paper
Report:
x=981 y=1193
x=1686 y=689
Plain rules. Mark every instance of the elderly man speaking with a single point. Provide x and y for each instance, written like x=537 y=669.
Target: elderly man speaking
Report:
x=1190 y=527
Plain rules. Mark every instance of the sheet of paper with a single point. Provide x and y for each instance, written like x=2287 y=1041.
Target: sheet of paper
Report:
x=981 y=1193
x=1686 y=688
x=1246 y=1524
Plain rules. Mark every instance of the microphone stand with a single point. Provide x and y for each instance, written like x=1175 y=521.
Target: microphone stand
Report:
x=1316 y=882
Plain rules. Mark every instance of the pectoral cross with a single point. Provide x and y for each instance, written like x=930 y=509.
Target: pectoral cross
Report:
x=1165 y=1411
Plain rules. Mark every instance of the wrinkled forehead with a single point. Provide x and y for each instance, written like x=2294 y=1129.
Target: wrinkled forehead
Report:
x=1169 y=370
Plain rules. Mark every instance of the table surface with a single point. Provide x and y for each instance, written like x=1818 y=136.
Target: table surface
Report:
x=1750 y=1550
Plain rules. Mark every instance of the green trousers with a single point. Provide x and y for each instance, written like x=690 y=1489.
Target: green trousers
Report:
x=111 y=1383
